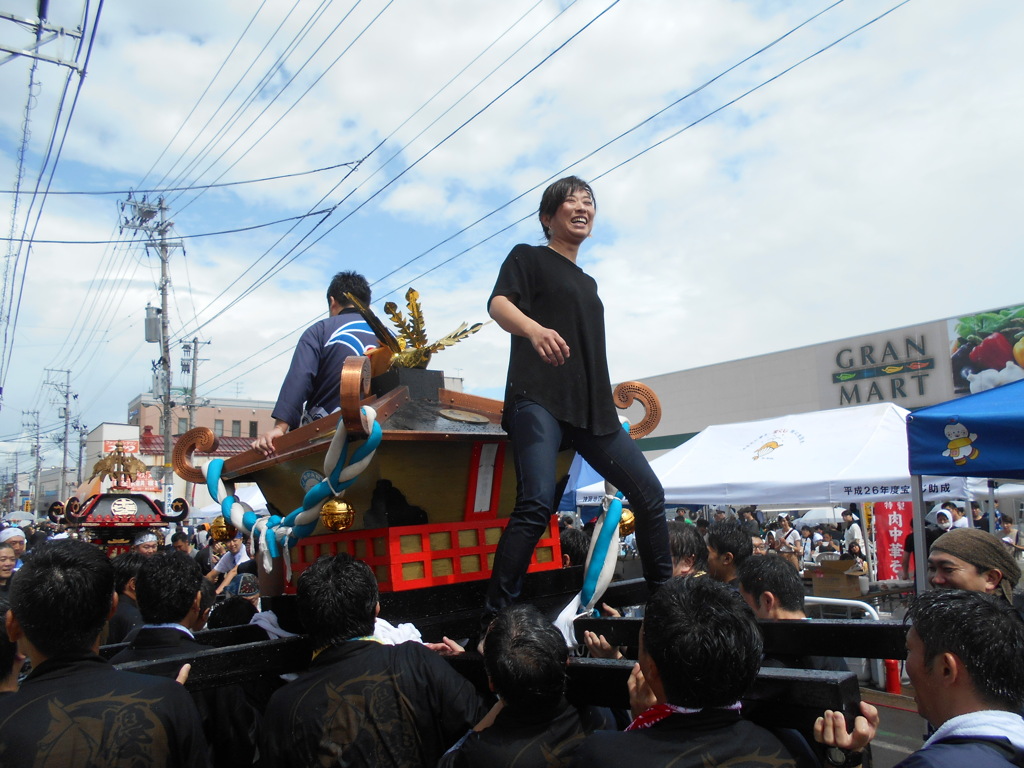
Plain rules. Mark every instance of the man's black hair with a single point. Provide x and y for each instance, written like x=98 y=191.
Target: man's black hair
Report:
x=985 y=632
x=8 y=650
x=166 y=586
x=555 y=195
x=337 y=599
x=62 y=597
x=727 y=536
x=704 y=640
x=772 y=574
x=525 y=658
x=348 y=282
x=702 y=522
x=126 y=568
x=180 y=536
x=684 y=541
x=575 y=543
x=234 y=612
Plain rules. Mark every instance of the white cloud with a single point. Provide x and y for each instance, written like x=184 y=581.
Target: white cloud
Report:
x=872 y=187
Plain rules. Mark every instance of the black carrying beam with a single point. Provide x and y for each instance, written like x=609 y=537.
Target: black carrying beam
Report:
x=233 y=664
x=454 y=609
x=812 y=637
x=215 y=638
x=780 y=697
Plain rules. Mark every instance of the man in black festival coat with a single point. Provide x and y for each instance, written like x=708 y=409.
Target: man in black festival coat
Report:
x=361 y=702
x=169 y=590
x=75 y=709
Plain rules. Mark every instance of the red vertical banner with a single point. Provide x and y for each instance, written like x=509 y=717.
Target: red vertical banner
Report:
x=892 y=523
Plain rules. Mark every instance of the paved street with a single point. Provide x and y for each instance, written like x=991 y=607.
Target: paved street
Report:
x=901 y=730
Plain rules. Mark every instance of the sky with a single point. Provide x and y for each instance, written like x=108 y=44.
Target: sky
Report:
x=768 y=175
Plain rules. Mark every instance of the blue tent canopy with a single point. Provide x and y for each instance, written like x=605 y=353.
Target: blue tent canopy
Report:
x=580 y=474
x=980 y=435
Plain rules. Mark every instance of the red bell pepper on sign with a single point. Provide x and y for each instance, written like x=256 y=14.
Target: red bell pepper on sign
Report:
x=994 y=352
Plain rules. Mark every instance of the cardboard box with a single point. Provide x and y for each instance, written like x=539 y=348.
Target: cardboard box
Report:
x=829 y=579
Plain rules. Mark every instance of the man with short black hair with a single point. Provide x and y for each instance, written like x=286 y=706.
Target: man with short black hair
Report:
x=853 y=531
x=700 y=651
x=169 y=589
x=532 y=725
x=127 y=617
x=362 y=702
x=75 y=709
x=728 y=547
x=182 y=543
x=575 y=544
x=964 y=652
x=773 y=590
x=226 y=569
x=689 y=552
x=311 y=387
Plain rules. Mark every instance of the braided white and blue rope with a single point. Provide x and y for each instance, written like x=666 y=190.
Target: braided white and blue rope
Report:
x=275 y=535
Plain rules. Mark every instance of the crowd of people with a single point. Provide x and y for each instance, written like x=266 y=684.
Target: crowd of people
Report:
x=365 y=702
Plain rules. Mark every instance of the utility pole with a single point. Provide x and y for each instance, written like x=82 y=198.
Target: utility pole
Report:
x=190 y=361
x=151 y=218
x=65 y=390
x=190 y=364
x=31 y=422
x=82 y=431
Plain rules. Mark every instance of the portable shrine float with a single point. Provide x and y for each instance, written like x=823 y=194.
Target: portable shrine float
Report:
x=114 y=517
x=410 y=477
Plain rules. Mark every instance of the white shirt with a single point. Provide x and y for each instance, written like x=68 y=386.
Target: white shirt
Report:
x=228 y=561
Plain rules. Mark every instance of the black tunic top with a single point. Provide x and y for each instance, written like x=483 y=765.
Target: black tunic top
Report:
x=553 y=291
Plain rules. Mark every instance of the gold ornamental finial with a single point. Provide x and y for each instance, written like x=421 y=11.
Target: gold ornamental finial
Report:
x=410 y=348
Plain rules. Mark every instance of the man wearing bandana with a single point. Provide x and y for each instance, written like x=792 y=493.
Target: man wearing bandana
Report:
x=145 y=544
x=974 y=560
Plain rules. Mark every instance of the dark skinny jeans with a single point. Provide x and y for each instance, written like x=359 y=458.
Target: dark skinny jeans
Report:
x=536 y=439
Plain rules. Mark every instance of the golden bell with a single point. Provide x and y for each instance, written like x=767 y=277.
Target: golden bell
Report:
x=337 y=515
x=222 y=530
x=626 y=523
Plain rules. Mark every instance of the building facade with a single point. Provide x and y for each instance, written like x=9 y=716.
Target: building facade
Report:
x=913 y=367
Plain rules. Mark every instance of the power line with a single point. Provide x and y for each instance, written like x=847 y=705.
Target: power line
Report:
x=163 y=190
x=180 y=237
x=10 y=326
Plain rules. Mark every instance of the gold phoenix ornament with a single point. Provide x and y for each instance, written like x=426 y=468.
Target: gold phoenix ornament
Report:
x=119 y=467
x=410 y=348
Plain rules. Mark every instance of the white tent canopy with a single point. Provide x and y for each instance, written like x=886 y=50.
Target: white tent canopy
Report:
x=250 y=494
x=846 y=455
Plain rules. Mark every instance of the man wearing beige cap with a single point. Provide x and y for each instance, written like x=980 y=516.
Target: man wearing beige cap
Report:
x=974 y=560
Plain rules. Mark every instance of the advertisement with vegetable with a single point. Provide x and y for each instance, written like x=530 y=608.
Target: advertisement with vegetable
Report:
x=987 y=349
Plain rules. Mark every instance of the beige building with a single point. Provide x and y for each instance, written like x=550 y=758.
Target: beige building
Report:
x=227 y=417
